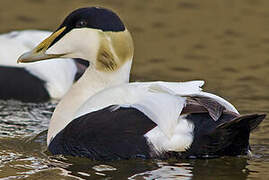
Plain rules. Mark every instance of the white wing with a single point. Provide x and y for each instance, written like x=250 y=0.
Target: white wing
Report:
x=162 y=102
x=130 y=93
x=191 y=88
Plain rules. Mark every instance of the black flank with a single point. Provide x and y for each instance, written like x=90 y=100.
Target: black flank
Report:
x=19 y=84
x=105 y=135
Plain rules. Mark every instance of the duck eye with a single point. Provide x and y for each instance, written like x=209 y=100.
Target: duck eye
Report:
x=81 y=23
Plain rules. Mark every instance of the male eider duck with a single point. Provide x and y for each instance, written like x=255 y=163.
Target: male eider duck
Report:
x=104 y=117
x=33 y=82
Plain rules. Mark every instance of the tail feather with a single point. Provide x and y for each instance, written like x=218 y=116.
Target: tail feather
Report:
x=240 y=128
x=251 y=121
x=229 y=137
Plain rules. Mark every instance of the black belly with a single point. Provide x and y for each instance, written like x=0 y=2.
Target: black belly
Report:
x=19 y=84
x=105 y=135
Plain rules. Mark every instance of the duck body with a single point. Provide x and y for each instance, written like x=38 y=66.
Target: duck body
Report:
x=38 y=82
x=148 y=120
x=104 y=117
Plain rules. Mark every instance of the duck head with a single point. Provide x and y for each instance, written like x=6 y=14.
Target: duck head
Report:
x=94 y=34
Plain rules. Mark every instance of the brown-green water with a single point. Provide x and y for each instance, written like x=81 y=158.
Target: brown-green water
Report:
x=224 y=42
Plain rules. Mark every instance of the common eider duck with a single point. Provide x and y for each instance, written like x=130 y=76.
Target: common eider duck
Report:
x=33 y=82
x=104 y=117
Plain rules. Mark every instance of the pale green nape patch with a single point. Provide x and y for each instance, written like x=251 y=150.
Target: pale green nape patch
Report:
x=115 y=49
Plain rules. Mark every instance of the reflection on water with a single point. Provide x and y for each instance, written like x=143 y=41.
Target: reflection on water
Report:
x=224 y=42
x=19 y=118
x=176 y=171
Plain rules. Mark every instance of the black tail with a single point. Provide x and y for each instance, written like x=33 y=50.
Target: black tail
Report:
x=229 y=136
x=239 y=129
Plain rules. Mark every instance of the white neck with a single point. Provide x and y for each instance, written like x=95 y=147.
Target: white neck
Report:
x=88 y=85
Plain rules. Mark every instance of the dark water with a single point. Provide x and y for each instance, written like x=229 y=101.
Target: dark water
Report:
x=224 y=42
